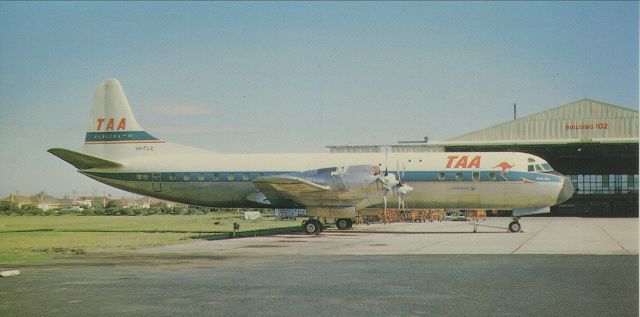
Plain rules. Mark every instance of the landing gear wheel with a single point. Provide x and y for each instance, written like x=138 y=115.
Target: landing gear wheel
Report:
x=514 y=226
x=343 y=223
x=312 y=226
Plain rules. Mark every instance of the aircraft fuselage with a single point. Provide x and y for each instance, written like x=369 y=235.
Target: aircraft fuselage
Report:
x=440 y=180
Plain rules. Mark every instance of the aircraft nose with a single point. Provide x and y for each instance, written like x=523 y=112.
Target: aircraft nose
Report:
x=566 y=192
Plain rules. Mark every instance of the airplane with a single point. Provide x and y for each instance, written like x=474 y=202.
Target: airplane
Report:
x=337 y=186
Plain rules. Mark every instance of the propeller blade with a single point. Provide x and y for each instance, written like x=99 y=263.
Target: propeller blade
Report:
x=385 y=201
x=386 y=159
x=398 y=172
x=405 y=189
x=403 y=169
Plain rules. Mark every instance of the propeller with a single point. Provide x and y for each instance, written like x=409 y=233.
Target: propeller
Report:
x=384 y=178
x=389 y=183
x=402 y=188
x=393 y=182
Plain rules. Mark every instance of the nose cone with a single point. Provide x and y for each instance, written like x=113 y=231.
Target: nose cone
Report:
x=566 y=192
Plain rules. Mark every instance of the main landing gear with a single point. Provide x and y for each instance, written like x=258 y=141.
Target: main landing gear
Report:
x=344 y=223
x=515 y=226
x=312 y=226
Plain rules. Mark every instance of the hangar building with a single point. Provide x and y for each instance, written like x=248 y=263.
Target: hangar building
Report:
x=593 y=142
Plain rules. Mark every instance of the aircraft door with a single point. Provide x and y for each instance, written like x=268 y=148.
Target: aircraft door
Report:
x=156 y=182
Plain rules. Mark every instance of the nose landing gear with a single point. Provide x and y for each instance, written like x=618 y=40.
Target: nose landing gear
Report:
x=515 y=226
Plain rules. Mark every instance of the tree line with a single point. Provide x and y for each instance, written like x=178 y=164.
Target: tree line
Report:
x=8 y=209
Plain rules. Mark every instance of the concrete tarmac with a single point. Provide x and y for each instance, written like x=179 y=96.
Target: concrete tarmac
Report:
x=338 y=285
x=556 y=267
x=615 y=236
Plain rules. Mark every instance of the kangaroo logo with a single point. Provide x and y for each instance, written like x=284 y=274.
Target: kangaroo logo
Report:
x=504 y=168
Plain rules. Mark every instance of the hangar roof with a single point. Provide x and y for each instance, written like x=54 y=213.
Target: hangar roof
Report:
x=584 y=120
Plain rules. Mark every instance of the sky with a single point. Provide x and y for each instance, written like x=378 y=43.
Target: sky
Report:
x=296 y=76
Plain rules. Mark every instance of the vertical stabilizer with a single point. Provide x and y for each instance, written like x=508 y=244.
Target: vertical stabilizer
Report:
x=113 y=130
x=111 y=110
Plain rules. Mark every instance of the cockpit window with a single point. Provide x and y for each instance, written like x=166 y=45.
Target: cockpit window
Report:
x=546 y=167
x=538 y=168
x=530 y=168
x=531 y=160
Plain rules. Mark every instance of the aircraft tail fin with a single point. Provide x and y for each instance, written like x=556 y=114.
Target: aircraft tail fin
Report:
x=82 y=161
x=112 y=126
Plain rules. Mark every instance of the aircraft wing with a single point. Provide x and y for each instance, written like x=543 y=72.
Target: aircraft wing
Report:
x=319 y=190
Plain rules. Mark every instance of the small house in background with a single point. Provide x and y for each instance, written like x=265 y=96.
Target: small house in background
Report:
x=251 y=215
x=18 y=200
x=83 y=202
x=41 y=201
x=141 y=203
x=144 y=202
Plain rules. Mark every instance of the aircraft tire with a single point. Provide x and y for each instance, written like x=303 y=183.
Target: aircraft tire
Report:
x=320 y=228
x=514 y=226
x=312 y=226
x=342 y=223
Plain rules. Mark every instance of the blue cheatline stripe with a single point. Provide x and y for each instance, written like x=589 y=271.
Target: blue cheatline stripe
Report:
x=492 y=176
x=114 y=136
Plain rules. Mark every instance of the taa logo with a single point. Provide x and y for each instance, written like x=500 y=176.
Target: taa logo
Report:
x=110 y=124
x=463 y=161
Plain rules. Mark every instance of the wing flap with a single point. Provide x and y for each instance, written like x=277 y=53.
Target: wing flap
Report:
x=82 y=161
x=292 y=184
x=305 y=192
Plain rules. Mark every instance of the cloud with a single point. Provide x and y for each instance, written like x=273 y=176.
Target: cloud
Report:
x=183 y=110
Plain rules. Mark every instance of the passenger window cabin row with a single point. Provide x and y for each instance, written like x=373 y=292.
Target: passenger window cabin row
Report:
x=249 y=176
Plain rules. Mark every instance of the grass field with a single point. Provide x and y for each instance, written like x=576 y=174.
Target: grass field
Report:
x=38 y=239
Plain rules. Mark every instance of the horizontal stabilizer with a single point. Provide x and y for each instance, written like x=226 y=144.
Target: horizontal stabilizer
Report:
x=82 y=161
